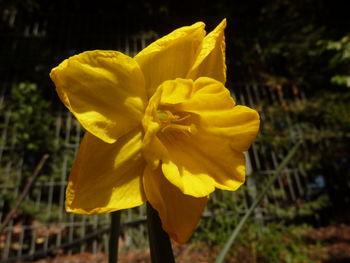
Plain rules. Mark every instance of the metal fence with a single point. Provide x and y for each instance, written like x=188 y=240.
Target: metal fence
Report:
x=49 y=230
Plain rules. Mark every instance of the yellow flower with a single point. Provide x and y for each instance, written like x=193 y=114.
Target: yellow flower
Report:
x=160 y=127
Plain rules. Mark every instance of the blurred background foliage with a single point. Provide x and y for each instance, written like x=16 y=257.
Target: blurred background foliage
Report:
x=293 y=47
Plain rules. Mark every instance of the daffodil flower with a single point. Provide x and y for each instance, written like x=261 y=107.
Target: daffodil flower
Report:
x=160 y=127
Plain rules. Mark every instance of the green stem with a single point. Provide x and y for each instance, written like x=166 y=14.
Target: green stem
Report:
x=235 y=232
x=114 y=237
x=159 y=241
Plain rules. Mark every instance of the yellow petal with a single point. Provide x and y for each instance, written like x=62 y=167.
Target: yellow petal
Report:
x=104 y=90
x=239 y=126
x=200 y=163
x=152 y=146
x=210 y=61
x=179 y=213
x=204 y=94
x=106 y=177
x=171 y=56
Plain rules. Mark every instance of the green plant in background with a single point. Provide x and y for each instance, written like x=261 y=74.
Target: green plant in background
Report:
x=31 y=122
x=273 y=243
x=29 y=130
x=257 y=243
x=340 y=60
x=323 y=121
x=30 y=134
x=225 y=213
x=300 y=209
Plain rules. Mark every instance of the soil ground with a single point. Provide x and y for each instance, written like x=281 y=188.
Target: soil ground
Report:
x=334 y=240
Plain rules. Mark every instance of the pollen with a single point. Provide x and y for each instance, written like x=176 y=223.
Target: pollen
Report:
x=172 y=122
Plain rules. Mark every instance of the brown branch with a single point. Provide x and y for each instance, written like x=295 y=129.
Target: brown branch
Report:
x=25 y=191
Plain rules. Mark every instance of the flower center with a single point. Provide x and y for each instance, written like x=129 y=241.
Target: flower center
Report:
x=172 y=122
